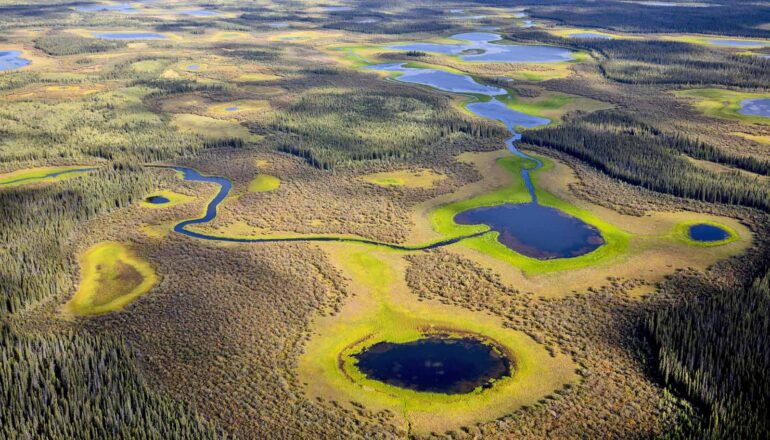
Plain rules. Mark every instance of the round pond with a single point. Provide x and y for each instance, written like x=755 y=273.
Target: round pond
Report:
x=707 y=233
x=437 y=364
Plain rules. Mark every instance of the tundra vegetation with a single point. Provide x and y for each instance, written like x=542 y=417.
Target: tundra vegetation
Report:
x=113 y=325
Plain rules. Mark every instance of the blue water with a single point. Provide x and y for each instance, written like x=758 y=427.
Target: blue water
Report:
x=439 y=79
x=278 y=25
x=434 y=364
x=49 y=176
x=755 y=107
x=12 y=60
x=117 y=7
x=535 y=230
x=590 y=36
x=130 y=36
x=231 y=109
x=157 y=200
x=738 y=43
x=707 y=233
x=198 y=12
x=483 y=42
x=193 y=67
x=337 y=8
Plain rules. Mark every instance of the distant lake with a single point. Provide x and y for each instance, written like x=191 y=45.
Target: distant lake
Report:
x=116 y=7
x=199 y=12
x=755 y=107
x=130 y=36
x=12 y=60
x=738 y=43
x=535 y=230
x=590 y=36
x=480 y=47
x=442 y=80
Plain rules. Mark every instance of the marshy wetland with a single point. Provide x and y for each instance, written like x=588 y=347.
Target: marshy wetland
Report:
x=401 y=220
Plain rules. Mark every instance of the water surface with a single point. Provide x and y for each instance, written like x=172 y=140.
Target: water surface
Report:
x=738 y=43
x=157 y=200
x=439 y=79
x=12 y=60
x=755 y=107
x=707 y=233
x=198 y=12
x=535 y=230
x=115 y=7
x=435 y=364
x=480 y=46
x=231 y=109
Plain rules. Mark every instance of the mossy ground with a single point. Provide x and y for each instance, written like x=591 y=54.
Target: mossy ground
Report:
x=722 y=103
x=211 y=128
x=682 y=233
x=111 y=278
x=35 y=175
x=423 y=178
x=174 y=198
x=264 y=183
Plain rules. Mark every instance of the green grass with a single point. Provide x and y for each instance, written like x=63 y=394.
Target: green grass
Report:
x=442 y=219
x=724 y=104
x=681 y=233
x=264 y=183
x=35 y=175
x=111 y=278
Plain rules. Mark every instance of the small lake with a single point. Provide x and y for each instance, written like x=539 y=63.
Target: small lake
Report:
x=337 y=8
x=157 y=200
x=232 y=109
x=738 y=43
x=12 y=60
x=193 y=67
x=707 y=233
x=755 y=107
x=439 y=79
x=590 y=36
x=130 y=36
x=116 y=7
x=535 y=230
x=435 y=364
x=198 y=12
x=480 y=46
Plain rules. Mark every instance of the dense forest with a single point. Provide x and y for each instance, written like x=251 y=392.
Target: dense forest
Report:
x=626 y=149
x=84 y=387
x=716 y=349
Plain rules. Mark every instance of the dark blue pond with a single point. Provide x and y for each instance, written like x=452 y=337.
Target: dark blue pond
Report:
x=11 y=60
x=157 y=200
x=590 y=36
x=439 y=79
x=130 y=36
x=534 y=230
x=706 y=233
x=435 y=364
x=755 y=107
x=479 y=46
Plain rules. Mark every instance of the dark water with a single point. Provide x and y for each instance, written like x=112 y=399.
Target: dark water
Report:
x=436 y=364
x=12 y=60
x=482 y=43
x=130 y=36
x=706 y=233
x=755 y=107
x=157 y=200
x=534 y=230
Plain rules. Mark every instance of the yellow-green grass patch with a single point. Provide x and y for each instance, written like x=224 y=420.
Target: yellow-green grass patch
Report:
x=264 y=183
x=720 y=103
x=422 y=178
x=681 y=233
x=35 y=175
x=384 y=309
x=212 y=128
x=174 y=198
x=256 y=77
x=241 y=107
x=552 y=105
x=765 y=140
x=111 y=278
